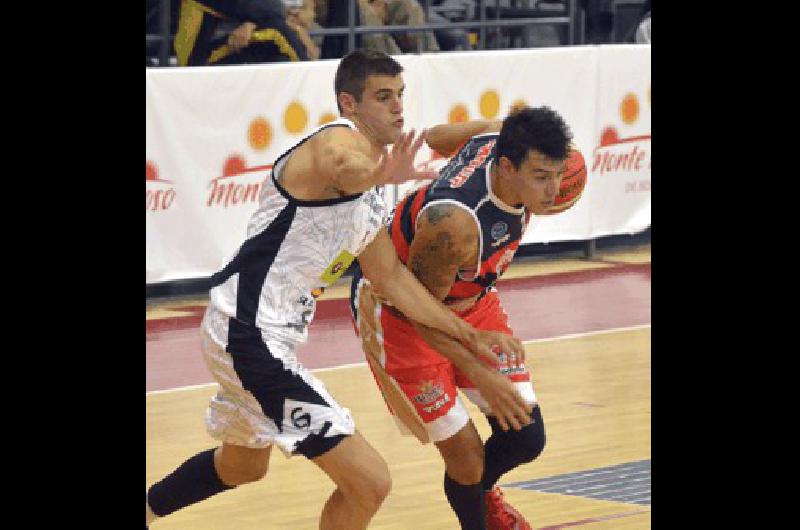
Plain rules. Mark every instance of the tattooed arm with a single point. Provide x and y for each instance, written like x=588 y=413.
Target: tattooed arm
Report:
x=391 y=279
x=446 y=239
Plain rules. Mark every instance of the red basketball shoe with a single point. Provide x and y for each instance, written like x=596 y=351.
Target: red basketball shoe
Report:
x=502 y=516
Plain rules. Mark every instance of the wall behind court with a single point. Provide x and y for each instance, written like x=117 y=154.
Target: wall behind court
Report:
x=213 y=132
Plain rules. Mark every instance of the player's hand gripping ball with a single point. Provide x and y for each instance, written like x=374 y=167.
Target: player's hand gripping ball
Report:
x=572 y=184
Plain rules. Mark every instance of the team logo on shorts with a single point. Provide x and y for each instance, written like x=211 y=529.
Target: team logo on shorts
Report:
x=429 y=392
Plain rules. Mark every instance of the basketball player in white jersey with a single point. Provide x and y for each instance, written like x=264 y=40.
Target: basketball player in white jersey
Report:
x=317 y=213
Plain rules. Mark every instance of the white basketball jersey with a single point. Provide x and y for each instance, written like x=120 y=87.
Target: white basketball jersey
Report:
x=294 y=249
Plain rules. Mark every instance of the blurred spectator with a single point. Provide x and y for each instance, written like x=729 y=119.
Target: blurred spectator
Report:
x=599 y=20
x=368 y=13
x=643 y=30
x=334 y=13
x=224 y=32
x=452 y=11
x=374 y=13
x=409 y=13
x=300 y=15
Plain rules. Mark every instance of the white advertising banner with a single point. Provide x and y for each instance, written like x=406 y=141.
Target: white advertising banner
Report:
x=620 y=156
x=213 y=133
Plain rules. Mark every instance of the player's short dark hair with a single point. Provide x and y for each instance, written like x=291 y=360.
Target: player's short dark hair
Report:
x=539 y=128
x=356 y=66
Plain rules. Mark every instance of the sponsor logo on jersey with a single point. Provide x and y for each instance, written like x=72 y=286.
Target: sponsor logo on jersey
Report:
x=317 y=292
x=429 y=392
x=501 y=240
x=337 y=267
x=499 y=229
x=483 y=153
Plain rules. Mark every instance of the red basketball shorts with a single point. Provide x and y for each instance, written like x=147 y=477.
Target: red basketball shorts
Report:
x=427 y=378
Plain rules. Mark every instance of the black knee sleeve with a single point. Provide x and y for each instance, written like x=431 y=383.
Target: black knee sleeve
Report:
x=506 y=450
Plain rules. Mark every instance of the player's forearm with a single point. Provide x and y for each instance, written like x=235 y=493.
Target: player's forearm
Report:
x=413 y=300
x=450 y=348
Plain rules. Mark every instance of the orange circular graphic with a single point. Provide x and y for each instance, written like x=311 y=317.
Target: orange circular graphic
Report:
x=517 y=105
x=490 y=104
x=609 y=136
x=233 y=165
x=327 y=118
x=259 y=134
x=629 y=109
x=151 y=171
x=295 y=118
x=458 y=114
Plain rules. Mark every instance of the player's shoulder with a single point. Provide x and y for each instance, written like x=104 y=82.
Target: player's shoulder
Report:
x=339 y=131
x=445 y=215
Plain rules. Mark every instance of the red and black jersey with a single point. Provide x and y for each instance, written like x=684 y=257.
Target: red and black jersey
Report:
x=466 y=183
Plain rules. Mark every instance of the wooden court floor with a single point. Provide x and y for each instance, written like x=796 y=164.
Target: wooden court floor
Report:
x=594 y=390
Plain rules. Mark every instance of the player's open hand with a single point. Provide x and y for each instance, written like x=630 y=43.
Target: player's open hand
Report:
x=397 y=165
x=505 y=402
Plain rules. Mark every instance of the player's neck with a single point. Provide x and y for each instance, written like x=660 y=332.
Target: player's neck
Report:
x=363 y=128
x=500 y=187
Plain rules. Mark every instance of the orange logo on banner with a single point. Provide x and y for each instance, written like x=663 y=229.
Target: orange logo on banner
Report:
x=629 y=109
x=159 y=194
x=489 y=104
x=295 y=118
x=259 y=134
x=630 y=154
x=326 y=117
x=458 y=114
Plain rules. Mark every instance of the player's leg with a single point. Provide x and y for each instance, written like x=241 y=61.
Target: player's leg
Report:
x=206 y=474
x=463 y=457
x=504 y=450
x=233 y=417
x=362 y=483
x=420 y=391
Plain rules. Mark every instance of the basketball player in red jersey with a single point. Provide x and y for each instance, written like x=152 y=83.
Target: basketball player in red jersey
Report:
x=457 y=235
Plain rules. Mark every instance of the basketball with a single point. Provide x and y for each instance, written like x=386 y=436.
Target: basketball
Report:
x=572 y=184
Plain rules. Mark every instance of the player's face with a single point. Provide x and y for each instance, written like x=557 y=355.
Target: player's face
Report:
x=380 y=110
x=537 y=181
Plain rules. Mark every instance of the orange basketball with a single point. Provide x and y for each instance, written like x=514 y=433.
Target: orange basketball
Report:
x=572 y=184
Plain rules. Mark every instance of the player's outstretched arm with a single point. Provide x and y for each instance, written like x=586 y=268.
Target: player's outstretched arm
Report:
x=344 y=158
x=446 y=138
